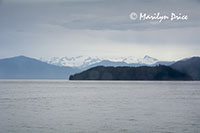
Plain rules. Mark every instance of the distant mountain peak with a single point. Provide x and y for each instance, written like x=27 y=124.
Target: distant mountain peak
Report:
x=191 y=66
x=149 y=57
x=22 y=67
x=188 y=58
x=85 y=61
x=146 y=56
x=20 y=56
x=148 y=60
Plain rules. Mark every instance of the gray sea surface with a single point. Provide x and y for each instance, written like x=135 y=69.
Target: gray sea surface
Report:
x=31 y=106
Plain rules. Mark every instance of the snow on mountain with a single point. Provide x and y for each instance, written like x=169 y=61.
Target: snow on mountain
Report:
x=78 y=61
x=84 y=61
x=148 y=60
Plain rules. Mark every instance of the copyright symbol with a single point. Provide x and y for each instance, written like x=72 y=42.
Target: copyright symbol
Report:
x=133 y=16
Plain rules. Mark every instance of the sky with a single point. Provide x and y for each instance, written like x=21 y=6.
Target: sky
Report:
x=49 y=28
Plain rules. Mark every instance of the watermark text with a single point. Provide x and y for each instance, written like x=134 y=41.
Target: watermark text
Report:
x=158 y=17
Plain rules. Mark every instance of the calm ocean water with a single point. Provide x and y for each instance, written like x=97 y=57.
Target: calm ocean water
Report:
x=99 y=107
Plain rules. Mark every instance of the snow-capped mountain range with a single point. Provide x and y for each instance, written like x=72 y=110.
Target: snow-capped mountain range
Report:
x=85 y=61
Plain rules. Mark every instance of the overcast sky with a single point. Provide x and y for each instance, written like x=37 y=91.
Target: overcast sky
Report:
x=48 y=28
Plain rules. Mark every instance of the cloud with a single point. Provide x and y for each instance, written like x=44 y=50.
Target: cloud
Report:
x=67 y=27
x=41 y=1
x=105 y=15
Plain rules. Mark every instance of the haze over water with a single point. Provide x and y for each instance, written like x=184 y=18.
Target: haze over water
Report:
x=99 y=106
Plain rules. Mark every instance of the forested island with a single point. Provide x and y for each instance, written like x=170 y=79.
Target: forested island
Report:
x=131 y=73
